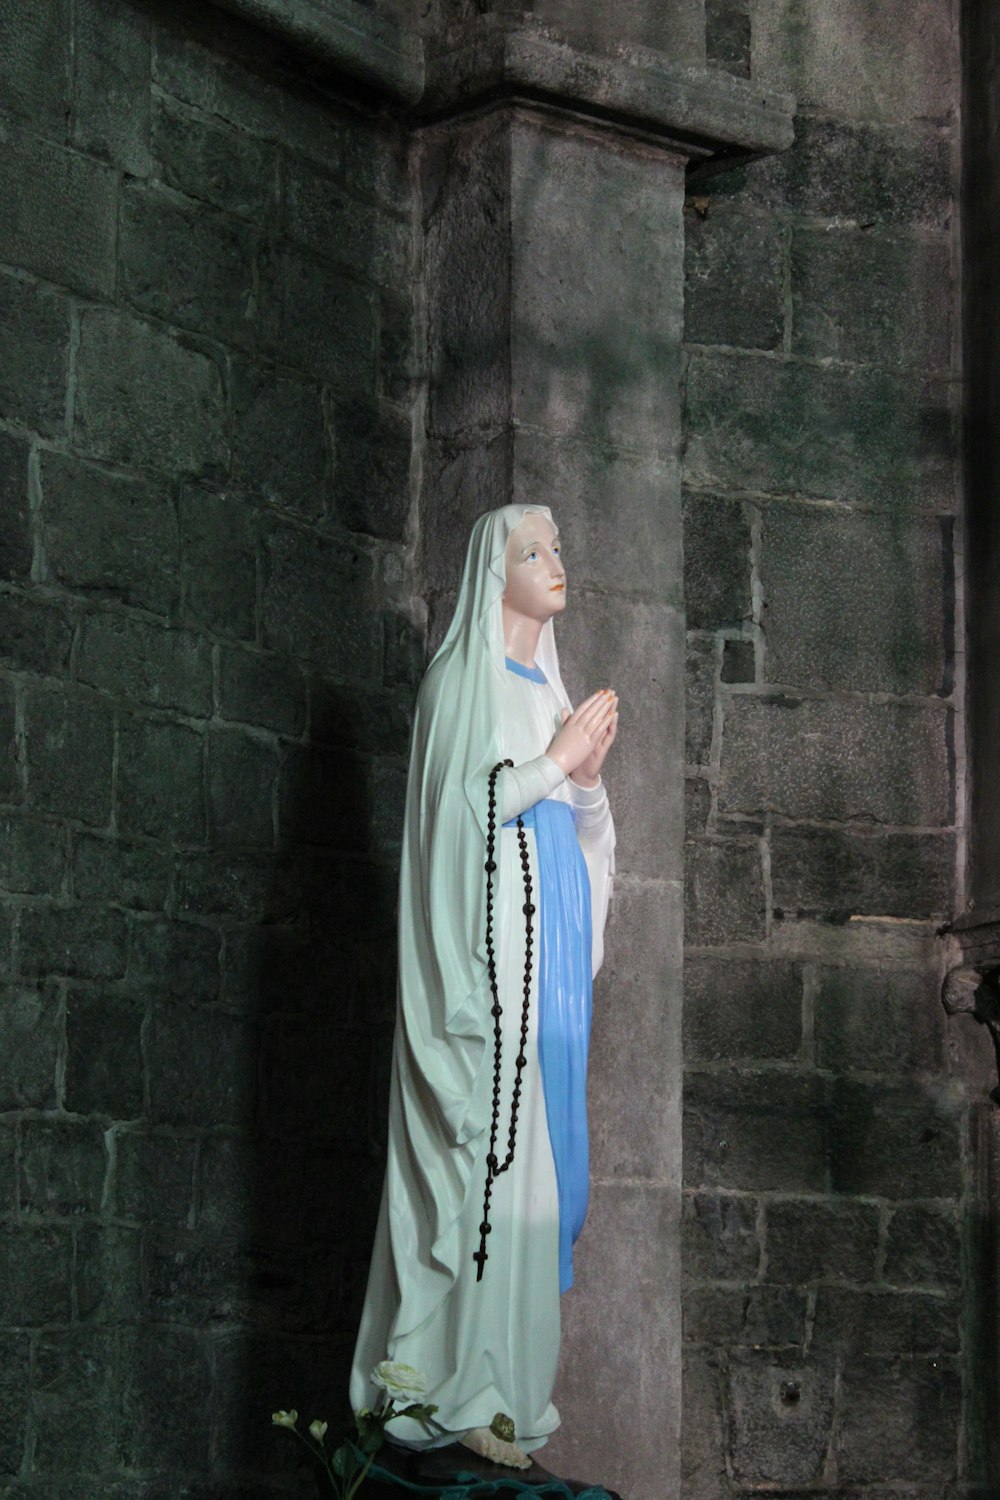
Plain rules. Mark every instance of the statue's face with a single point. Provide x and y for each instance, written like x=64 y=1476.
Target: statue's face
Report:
x=536 y=578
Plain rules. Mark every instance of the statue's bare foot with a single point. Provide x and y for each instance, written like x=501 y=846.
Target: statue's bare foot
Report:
x=486 y=1443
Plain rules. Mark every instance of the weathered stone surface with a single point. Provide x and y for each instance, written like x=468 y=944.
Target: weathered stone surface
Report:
x=317 y=603
x=839 y=433
x=756 y=1131
x=305 y=1065
x=35 y=636
x=10 y=777
x=219 y=555
x=173 y=958
x=748 y=1009
x=104 y=1071
x=835 y=874
x=357 y=235
x=73 y=940
x=108 y=534
x=62 y=1168
x=253 y=887
x=841 y=761
x=357 y=718
x=34 y=63
x=372 y=468
x=32 y=855
x=869 y=1322
x=809 y=1241
x=143 y=663
x=899 y=1420
x=721 y=1239
x=34 y=1275
x=69 y=752
x=161 y=780
x=716 y=562
x=29 y=1040
x=154 y=1178
x=107 y=869
x=739 y=662
x=75 y=1383
x=699 y=700
x=280 y=442
x=717 y=309
x=704 y=1424
x=871 y=297
x=108 y=1274
x=856 y=601
x=186 y=267
x=242 y=778
x=265 y=690
x=909 y=57
x=782 y=1412
x=724 y=893
x=881 y=1020
x=111 y=63
x=34 y=352
x=923 y=1248
x=893 y=1142
x=167 y=1399
x=760 y=1317
x=316 y=321
x=14 y=1388
x=146 y=398
x=697 y=805
x=203 y=1067
x=227 y=168
x=727 y=36
x=64 y=226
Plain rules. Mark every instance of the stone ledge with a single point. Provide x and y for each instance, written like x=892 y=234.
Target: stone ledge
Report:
x=706 y=116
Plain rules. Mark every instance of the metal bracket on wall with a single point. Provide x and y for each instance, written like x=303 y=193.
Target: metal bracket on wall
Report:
x=974 y=990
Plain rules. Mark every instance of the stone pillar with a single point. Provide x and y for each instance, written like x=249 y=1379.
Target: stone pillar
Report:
x=554 y=255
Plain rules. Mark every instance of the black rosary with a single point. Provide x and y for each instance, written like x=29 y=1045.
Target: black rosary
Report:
x=493 y=1166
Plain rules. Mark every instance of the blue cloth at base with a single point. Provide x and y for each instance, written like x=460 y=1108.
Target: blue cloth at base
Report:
x=565 y=989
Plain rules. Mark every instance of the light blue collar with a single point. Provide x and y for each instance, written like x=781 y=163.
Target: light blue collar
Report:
x=533 y=674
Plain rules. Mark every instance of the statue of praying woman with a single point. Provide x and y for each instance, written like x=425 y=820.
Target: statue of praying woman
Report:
x=508 y=854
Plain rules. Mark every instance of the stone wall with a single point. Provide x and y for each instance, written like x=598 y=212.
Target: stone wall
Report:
x=826 y=1125
x=208 y=661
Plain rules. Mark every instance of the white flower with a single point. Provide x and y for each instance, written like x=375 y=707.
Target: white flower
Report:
x=318 y=1430
x=284 y=1418
x=401 y=1383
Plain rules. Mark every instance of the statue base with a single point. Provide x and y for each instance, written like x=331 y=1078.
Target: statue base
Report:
x=403 y=1473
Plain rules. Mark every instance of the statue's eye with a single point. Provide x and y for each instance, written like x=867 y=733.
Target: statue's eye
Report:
x=531 y=557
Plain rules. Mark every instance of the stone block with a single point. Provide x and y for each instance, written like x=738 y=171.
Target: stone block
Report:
x=746 y=1009
x=14 y=1387
x=10 y=776
x=252 y=887
x=387 y=796
x=359 y=236
x=167 y=1400
x=677 y=30
x=894 y=1141
x=108 y=870
x=202 y=1067
x=899 y=1420
x=760 y=1317
x=268 y=691
x=464 y=480
x=16 y=543
x=200 y=1281
x=848 y=58
x=35 y=62
x=809 y=1241
x=843 y=761
x=34 y=358
x=856 y=601
x=69 y=737
x=111 y=63
x=219 y=556
x=721 y=1240
x=604 y=330
x=316 y=320
x=34 y=1275
x=618 y=513
x=727 y=36
x=724 y=893
x=923 y=1248
x=226 y=168
x=834 y=875
x=76 y=1384
x=357 y=718
x=160 y=786
x=146 y=398
x=142 y=663
x=154 y=1178
x=872 y=297
x=697 y=806
x=185 y=266
x=62 y=1168
x=35 y=636
x=280 y=441
x=873 y=435
x=376 y=164
x=104 y=1072
x=32 y=855
x=716 y=562
x=109 y=535
x=67 y=207
x=401 y=355
x=273 y=967
x=324 y=798
x=174 y=958
x=317 y=603
x=717 y=309
x=307 y=1064
x=372 y=468
x=704 y=1426
x=758 y=1132
x=782 y=1418
x=8 y=1169
x=258 y=1368
x=78 y=941
x=870 y=1322
x=242 y=779
x=30 y=1030
x=108 y=1274
x=404 y=656
x=886 y=1021
x=739 y=662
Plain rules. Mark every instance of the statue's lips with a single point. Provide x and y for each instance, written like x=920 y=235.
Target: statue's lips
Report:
x=558 y=588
